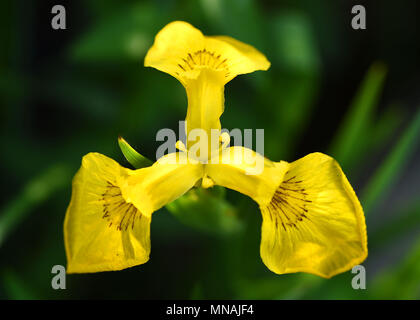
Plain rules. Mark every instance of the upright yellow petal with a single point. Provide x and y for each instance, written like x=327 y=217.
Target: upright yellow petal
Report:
x=314 y=222
x=172 y=48
x=241 y=58
x=183 y=51
x=203 y=65
x=107 y=224
x=205 y=106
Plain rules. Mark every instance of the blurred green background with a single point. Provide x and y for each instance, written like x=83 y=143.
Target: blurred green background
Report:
x=351 y=94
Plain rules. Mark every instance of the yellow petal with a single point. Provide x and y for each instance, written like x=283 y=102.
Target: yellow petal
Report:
x=103 y=232
x=242 y=58
x=314 y=222
x=205 y=107
x=247 y=172
x=107 y=224
x=182 y=51
x=151 y=188
x=203 y=65
x=172 y=45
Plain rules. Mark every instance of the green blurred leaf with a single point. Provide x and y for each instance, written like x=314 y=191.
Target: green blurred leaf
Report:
x=401 y=281
x=133 y=157
x=294 y=81
x=206 y=210
x=296 y=65
x=12 y=84
x=403 y=223
x=388 y=172
x=87 y=97
x=125 y=35
x=15 y=288
x=287 y=286
x=384 y=128
x=197 y=292
x=337 y=288
x=305 y=283
x=35 y=192
x=238 y=19
x=294 y=43
x=353 y=134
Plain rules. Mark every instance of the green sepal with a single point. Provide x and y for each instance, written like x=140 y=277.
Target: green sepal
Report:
x=136 y=159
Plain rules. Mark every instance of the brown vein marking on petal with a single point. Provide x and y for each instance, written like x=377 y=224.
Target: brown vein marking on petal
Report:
x=204 y=58
x=288 y=206
x=116 y=210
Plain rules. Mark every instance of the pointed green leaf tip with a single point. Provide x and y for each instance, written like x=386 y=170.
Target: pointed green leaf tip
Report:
x=136 y=159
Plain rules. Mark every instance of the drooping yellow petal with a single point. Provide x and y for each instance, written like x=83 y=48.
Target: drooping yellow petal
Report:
x=312 y=219
x=103 y=232
x=314 y=222
x=107 y=225
x=203 y=65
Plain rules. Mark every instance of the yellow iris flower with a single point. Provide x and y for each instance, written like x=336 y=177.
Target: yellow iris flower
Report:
x=312 y=219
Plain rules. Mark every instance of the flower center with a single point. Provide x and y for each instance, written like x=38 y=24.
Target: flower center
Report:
x=116 y=210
